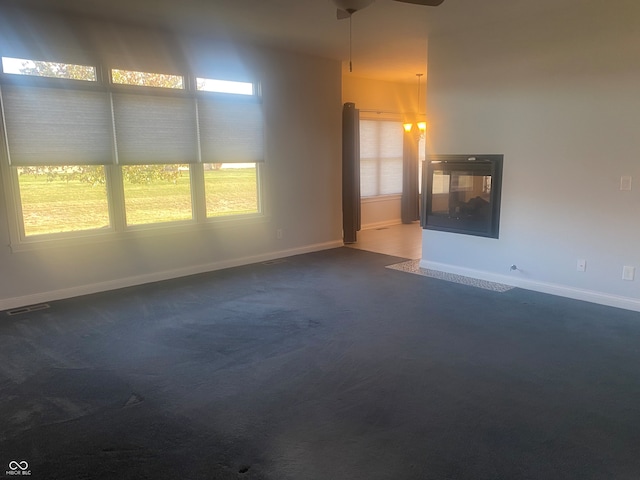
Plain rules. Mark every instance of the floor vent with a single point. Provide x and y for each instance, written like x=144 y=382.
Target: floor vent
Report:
x=30 y=308
x=383 y=228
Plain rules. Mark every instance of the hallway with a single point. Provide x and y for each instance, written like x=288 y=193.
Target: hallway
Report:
x=401 y=240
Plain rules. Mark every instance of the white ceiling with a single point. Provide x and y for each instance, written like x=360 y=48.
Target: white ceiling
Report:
x=389 y=38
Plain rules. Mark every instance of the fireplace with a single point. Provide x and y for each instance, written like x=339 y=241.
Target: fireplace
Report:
x=462 y=194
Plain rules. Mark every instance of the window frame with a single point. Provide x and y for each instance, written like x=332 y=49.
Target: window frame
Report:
x=118 y=229
x=6 y=77
x=378 y=161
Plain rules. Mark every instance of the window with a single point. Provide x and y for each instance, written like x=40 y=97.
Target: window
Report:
x=36 y=68
x=381 y=152
x=103 y=158
x=65 y=198
x=156 y=140
x=156 y=193
x=231 y=143
x=224 y=86
x=58 y=144
x=231 y=188
x=146 y=79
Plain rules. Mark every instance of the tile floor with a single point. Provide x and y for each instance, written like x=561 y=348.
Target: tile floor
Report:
x=402 y=240
x=406 y=241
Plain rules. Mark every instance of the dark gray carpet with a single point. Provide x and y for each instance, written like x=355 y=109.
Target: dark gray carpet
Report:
x=323 y=366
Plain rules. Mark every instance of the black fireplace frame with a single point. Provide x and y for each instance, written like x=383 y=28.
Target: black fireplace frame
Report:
x=481 y=164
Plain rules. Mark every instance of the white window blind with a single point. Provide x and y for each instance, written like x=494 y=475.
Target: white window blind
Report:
x=153 y=129
x=231 y=131
x=381 y=151
x=57 y=126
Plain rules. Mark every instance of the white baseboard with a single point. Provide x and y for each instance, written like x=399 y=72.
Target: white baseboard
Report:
x=50 y=296
x=592 y=296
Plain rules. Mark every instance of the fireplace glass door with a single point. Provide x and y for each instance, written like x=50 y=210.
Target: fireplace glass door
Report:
x=463 y=194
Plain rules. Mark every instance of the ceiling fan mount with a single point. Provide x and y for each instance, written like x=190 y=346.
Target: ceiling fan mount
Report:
x=346 y=8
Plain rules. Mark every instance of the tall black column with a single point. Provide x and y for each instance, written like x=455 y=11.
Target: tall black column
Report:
x=350 y=172
x=410 y=203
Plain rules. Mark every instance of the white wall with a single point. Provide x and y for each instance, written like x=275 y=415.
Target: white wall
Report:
x=380 y=211
x=302 y=175
x=558 y=96
x=394 y=100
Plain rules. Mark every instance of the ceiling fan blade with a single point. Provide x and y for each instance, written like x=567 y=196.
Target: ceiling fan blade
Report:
x=426 y=3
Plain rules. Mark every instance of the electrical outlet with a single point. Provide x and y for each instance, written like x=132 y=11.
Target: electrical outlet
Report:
x=625 y=183
x=628 y=273
x=279 y=234
x=582 y=265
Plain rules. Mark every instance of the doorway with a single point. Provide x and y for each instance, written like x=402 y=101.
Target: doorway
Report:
x=400 y=240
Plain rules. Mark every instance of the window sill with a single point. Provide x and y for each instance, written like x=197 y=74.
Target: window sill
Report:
x=381 y=198
x=134 y=233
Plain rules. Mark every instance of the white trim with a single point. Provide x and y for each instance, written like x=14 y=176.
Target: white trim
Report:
x=592 y=296
x=9 y=303
x=66 y=239
x=382 y=198
x=389 y=199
